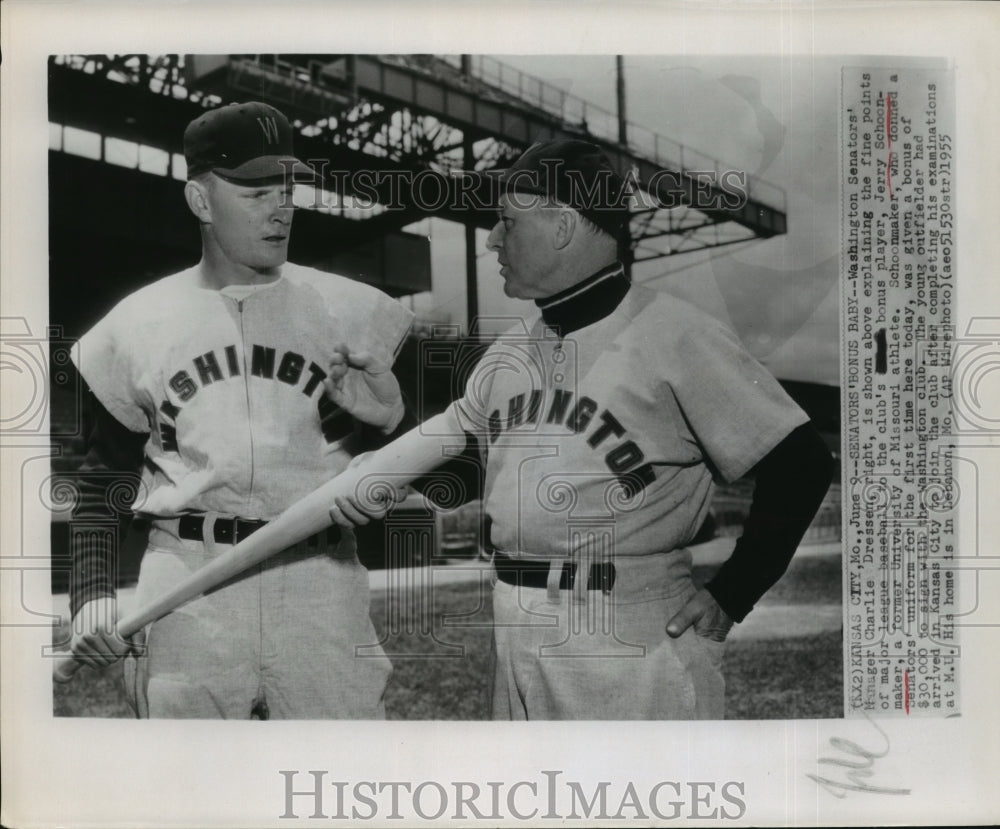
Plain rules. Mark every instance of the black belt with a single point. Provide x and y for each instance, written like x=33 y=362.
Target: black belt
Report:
x=535 y=573
x=234 y=530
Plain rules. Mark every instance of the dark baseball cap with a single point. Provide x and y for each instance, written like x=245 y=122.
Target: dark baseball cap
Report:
x=574 y=173
x=249 y=143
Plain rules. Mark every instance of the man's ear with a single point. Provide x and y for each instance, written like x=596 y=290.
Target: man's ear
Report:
x=565 y=228
x=196 y=195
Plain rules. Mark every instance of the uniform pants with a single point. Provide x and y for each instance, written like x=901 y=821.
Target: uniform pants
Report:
x=577 y=654
x=289 y=639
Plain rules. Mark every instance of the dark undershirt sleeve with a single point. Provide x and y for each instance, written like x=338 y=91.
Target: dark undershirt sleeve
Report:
x=113 y=453
x=458 y=480
x=373 y=438
x=790 y=484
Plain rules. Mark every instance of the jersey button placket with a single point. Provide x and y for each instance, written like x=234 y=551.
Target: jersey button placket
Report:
x=243 y=313
x=559 y=365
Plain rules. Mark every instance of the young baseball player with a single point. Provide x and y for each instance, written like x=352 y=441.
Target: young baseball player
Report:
x=236 y=386
x=603 y=424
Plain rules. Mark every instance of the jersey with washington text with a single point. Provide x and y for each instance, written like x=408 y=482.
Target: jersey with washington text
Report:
x=610 y=439
x=230 y=385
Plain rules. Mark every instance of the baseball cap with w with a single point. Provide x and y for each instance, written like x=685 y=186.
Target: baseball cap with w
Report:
x=249 y=143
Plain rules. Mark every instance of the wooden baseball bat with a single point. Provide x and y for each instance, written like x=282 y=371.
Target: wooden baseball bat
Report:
x=409 y=456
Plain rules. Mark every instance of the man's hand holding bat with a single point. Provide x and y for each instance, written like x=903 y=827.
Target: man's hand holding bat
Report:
x=363 y=491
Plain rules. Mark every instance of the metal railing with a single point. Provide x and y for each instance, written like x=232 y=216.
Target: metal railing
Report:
x=314 y=85
x=603 y=124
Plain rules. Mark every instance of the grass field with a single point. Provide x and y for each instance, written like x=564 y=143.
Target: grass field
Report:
x=441 y=658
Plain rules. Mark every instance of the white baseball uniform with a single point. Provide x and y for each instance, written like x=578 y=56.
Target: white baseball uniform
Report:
x=228 y=384
x=601 y=449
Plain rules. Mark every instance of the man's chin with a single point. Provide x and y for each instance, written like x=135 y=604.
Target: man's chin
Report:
x=270 y=263
x=512 y=291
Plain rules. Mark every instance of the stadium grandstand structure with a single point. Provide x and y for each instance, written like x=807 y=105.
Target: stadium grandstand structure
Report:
x=408 y=115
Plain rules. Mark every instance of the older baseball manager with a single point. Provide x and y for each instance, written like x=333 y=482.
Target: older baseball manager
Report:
x=236 y=387
x=604 y=422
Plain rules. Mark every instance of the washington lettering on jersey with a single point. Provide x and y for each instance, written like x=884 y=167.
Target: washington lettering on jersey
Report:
x=603 y=431
x=291 y=369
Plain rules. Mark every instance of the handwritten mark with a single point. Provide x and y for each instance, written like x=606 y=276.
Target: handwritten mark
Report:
x=906 y=692
x=888 y=141
x=860 y=765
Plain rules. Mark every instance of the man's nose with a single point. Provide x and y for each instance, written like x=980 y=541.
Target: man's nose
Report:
x=495 y=238
x=281 y=208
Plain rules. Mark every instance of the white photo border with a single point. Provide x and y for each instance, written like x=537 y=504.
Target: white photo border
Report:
x=158 y=773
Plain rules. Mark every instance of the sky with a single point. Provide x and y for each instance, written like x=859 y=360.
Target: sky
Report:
x=773 y=117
